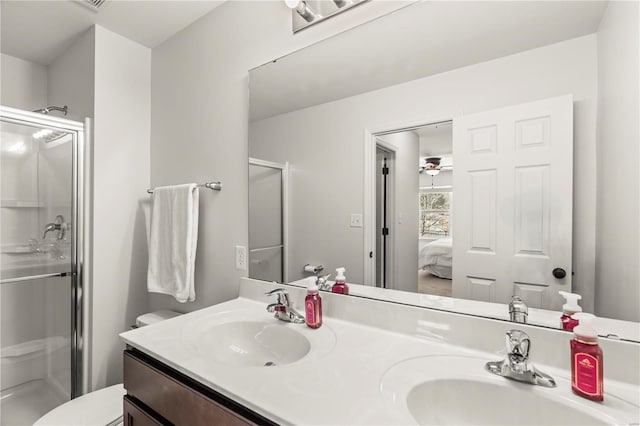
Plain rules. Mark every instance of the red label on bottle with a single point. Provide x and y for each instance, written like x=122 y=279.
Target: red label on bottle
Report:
x=586 y=373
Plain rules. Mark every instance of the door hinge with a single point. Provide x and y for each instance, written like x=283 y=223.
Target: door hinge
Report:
x=385 y=231
x=385 y=170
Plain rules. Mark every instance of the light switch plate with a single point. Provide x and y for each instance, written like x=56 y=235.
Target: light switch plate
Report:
x=356 y=220
x=241 y=258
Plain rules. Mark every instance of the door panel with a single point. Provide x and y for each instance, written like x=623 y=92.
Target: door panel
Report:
x=514 y=218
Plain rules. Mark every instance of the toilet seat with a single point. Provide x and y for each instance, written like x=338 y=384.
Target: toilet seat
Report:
x=102 y=407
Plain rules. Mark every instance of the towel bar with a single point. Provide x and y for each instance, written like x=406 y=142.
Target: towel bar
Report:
x=216 y=186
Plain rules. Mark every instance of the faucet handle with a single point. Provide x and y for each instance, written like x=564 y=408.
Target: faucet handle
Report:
x=518 y=344
x=282 y=296
x=321 y=282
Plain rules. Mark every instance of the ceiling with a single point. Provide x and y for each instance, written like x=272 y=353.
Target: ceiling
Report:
x=39 y=31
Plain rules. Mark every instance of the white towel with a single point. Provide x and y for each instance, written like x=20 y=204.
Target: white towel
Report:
x=174 y=238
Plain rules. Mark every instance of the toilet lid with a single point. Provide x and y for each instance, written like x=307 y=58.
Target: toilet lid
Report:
x=154 y=317
x=102 y=407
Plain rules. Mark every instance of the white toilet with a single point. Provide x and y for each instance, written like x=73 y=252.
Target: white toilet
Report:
x=101 y=407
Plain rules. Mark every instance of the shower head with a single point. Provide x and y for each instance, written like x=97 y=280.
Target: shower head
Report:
x=48 y=109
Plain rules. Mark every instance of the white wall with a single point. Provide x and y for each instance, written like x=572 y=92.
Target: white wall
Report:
x=404 y=230
x=23 y=83
x=120 y=180
x=71 y=78
x=199 y=122
x=326 y=145
x=618 y=253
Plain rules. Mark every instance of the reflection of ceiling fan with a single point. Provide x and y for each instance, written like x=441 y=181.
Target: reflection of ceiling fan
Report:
x=432 y=167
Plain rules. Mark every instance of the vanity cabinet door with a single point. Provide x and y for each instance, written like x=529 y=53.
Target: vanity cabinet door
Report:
x=170 y=398
x=135 y=416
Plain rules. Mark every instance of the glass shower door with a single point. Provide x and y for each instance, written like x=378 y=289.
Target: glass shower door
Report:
x=38 y=266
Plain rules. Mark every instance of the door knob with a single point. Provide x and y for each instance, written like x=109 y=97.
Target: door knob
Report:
x=559 y=273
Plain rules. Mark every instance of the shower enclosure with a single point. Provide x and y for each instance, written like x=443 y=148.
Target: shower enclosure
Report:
x=41 y=251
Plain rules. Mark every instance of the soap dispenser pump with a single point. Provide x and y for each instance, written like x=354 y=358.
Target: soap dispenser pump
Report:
x=586 y=360
x=567 y=320
x=340 y=285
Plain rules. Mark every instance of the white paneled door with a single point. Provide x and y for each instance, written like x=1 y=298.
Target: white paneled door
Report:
x=513 y=215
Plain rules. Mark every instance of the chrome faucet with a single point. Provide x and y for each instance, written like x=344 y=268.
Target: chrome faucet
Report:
x=518 y=310
x=58 y=225
x=283 y=310
x=321 y=282
x=517 y=365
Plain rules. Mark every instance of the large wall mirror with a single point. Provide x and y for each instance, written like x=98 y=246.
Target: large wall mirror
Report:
x=451 y=150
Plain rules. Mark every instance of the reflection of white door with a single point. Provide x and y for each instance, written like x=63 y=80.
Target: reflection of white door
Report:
x=513 y=215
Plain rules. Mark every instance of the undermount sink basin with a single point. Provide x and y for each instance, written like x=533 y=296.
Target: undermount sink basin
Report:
x=254 y=343
x=455 y=390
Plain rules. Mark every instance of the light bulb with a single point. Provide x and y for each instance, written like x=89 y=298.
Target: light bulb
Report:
x=292 y=4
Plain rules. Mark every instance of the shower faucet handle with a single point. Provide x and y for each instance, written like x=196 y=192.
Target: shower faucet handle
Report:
x=59 y=225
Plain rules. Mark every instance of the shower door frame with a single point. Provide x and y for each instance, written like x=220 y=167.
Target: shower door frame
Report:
x=79 y=355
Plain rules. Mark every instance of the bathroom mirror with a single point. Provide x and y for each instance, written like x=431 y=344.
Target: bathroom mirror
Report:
x=431 y=76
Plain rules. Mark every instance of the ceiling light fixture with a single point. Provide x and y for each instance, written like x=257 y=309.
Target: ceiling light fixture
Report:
x=302 y=8
x=310 y=12
x=432 y=166
x=93 y=5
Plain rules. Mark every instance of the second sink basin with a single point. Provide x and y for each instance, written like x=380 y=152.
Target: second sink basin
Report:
x=254 y=343
x=461 y=402
x=456 y=390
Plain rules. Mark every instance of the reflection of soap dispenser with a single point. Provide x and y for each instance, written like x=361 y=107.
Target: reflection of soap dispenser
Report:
x=313 y=304
x=341 y=285
x=567 y=321
x=586 y=360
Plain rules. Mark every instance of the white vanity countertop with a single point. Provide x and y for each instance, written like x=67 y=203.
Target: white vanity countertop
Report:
x=339 y=386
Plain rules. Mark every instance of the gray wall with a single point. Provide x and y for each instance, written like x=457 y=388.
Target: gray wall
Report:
x=618 y=251
x=24 y=83
x=120 y=182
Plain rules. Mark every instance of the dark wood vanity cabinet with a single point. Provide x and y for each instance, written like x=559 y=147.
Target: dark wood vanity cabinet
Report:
x=133 y=415
x=160 y=395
